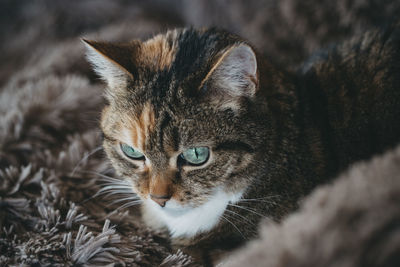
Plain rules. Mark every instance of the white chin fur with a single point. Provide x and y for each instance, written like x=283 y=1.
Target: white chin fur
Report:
x=185 y=221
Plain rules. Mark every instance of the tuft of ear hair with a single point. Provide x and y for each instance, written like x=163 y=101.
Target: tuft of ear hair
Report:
x=113 y=62
x=233 y=75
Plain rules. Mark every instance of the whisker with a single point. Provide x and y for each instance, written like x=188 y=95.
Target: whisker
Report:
x=105 y=192
x=112 y=187
x=111 y=181
x=116 y=192
x=250 y=210
x=130 y=204
x=124 y=199
x=114 y=181
x=110 y=192
x=258 y=200
x=115 y=184
x=106 y=177
x=223 y=217
x=237 y=214
x=85 y=158
x=267 y=197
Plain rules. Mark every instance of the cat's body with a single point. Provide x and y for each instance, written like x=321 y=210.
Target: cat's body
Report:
x=271 y=136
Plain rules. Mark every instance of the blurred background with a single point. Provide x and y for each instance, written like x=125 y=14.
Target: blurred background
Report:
x=286 y=31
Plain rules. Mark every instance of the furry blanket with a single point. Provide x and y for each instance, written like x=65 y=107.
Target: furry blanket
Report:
x=54 y=206
x=353 y=222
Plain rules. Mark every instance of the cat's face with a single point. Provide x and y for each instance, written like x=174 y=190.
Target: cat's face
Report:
x=178 y=125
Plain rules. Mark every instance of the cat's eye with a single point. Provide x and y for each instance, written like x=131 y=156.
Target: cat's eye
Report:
x=131 y=152
x=196 y=155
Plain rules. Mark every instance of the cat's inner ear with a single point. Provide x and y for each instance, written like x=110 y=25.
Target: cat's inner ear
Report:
x=234 y=74
x=113 y=62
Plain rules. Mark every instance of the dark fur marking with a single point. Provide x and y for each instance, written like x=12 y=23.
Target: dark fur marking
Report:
x=235 y=145
x=164 y=122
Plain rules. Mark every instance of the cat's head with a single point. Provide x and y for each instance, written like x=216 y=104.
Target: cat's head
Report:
x=180 y=124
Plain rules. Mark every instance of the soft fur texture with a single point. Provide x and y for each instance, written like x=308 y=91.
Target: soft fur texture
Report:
x=272 y=137
x=353 y=222
x=49 y=108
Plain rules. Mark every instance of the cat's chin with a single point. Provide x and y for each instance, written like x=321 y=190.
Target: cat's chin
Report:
x=186 y=220
x=172 y=207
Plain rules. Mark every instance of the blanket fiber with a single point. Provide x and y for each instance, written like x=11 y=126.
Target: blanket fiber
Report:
x=54 y=206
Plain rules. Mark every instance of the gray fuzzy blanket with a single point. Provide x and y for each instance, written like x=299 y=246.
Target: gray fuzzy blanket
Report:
x=55 y=209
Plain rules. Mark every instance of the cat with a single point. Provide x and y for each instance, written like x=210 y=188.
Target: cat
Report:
x=213 y=138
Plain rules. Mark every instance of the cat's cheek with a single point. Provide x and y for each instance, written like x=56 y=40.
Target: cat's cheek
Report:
x=140 y=185
x=191 y=196
x=191 y=191
x=143 y=187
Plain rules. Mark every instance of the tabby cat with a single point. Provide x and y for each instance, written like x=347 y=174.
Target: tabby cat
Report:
x=213 y=138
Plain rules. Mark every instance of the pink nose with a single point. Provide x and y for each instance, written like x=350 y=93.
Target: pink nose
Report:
x=160 y=200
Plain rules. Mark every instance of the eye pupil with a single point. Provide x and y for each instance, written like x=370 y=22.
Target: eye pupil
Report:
x=132 y=153
x=196 y=155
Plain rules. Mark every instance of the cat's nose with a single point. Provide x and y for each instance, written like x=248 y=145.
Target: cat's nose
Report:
x=160 y=200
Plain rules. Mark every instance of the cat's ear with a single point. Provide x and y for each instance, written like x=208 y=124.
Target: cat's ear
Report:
x=113 y=62
x=233 y=75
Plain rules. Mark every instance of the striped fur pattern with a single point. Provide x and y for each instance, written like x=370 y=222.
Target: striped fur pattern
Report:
x=273 y=135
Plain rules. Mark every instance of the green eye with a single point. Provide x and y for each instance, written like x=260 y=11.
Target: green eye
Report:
x=130 y=152
x=196 y=155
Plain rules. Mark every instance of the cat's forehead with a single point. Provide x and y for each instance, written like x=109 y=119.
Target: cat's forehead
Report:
x=180 y=58
x=181 y=53
x=159 y=52
x=182 y=74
